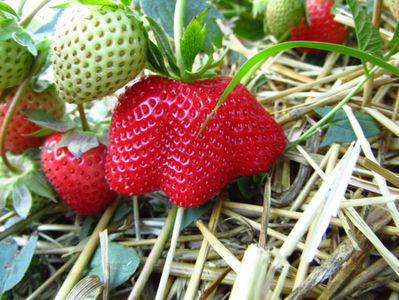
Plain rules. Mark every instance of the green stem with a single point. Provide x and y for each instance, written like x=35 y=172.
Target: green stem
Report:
x=7 y=121
x=20 y=7
x=154 y=255
x=178 y=26
x=336 y=108
x=25 y=21
x=83 y=119
x=25 y=222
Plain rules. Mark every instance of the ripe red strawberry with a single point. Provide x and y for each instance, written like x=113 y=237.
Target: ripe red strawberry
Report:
x=16 y=142
x=322 y=28
x=80 y=182
x=153 y=142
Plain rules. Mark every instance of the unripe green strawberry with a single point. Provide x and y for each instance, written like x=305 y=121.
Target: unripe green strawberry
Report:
x=281 y=14
x=15 y=63
x=96 y=50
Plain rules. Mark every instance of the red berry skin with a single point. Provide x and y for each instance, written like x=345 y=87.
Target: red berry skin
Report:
x=80 y=182
x=153 y=144
x=16 y=140
x=322 y=27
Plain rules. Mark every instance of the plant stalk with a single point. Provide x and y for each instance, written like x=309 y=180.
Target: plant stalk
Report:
x=154 y=255
x=7 y=121
x=178 y=26
x=25 y=21
x=83 y=119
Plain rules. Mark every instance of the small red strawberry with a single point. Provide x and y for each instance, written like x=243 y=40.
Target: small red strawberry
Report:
x=322 y=27
x=80 y=182
x=153 y=142
x=16 y=142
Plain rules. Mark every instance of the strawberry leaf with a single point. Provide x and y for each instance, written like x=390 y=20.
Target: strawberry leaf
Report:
x=99 y=2
x=340 y=129
x=162 y=11
x=21 y=199
x=38 y=184
x=192 y=42
x=8 y=9
x=78 y=142
x=123 y=263
x=155 y=59
x=367 y=35
x=165 y=47
x=24 y=39
x=13 y=265
x=394 y=42
x=48 y=121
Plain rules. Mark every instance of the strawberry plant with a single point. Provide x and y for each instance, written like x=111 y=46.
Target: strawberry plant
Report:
x=188 y=150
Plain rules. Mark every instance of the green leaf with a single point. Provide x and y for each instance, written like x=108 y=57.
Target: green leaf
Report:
x=13 y=265
x=78 y=142
x=194 y=213
x=394 y=42
x=126 y=2
x=21 y=199
x=191 y=43
x=164 y=45
x=368 y=37
x=247 y=186
x=163 y=12
x=5 y=7
x=38 y=184
x=7 y=28
x=99 y=2
x=48 y=121
x=123 y=263
x=24 y=39
x=5 y=192
x=340 y=129
x=155 y=59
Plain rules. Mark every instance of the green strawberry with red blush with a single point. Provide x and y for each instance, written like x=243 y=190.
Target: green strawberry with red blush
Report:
x=153 y=143
x=281 y=14
x=18 y=139
x=322 y=27
x=79 y=181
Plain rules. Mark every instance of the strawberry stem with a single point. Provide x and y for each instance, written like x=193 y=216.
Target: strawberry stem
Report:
x=83 y=120
x=154 y=255
x=178 y=31
x=25 y=21
x=7 y=121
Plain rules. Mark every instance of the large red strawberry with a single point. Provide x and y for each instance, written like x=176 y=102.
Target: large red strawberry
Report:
x=322 y=27
x=153 y=144
x=80 y=182
x=16 y=141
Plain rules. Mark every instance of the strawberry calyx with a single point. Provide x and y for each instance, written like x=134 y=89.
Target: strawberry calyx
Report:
x=188 y=60
x=25 y=190
x=77 y=140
